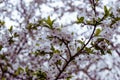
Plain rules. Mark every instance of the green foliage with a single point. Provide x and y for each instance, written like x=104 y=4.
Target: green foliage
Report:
x=19 y=71
x=38 y=52
x=97 y=32
x=58 y=62
x=91 y=22
x=5 y=68
x=10 y=29
x=54 y=50
x=3 y=57
x=88 y=50
x=114 y=19
x=37 y=44
x=3 y=78
x=80 y=20
x=101 y=47
x=103 y=39
x=106 y=12
x=99 y=20
x=42 y=53
x=15 y=35
x=40 y=75
x=11 y=40
x=81 y=42
x=1 y=47
x=28 y=71
x=1 y=23
x=109 y=51
x=97 y=1
x=68 y=78
x=49 y=23
x=78 y=48
x=31 y=26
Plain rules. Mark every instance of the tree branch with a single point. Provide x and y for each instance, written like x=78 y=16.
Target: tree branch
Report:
x=66 y=44
x=63 y=58
x=77 y=54
x=58 y=67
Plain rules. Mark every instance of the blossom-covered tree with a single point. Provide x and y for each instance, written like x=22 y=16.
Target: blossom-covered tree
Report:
x=59 y=40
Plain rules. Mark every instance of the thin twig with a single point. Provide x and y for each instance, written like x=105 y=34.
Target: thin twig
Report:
x=58 y=67
x=66 y=44
x=63 y=58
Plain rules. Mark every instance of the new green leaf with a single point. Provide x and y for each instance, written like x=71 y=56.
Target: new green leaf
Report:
x=11 y=28
x=49 y=22
x=106 y=11
x=80 y=20
x=1 y=47
x=97 y=32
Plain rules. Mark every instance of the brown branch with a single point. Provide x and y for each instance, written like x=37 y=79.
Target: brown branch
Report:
x=77 y=54
x=63 y=58
x=20 y=49
x=58 y=67
x=92 y=2
x=3 y=72
x=66 y=44
x=115 y=48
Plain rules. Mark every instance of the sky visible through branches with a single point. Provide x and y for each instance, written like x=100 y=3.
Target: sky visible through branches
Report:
x=64 y=39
